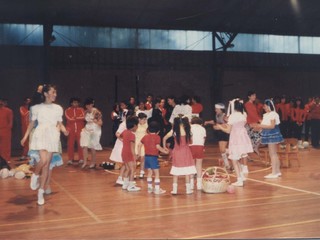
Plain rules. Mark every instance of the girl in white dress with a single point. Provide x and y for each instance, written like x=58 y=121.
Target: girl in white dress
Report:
x=91 y=133
x=46 y=137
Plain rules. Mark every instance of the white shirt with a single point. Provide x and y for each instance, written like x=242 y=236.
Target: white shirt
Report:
x=182 y=109
x=237 y=117
x=267 y=117
x=47 y=113
x=198 y=135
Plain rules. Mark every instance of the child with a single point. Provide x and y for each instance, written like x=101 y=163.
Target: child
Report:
x=91 y=133
x=239 y=141
x=182 y=160
x=197 y=148
x=222 y=137
x=117 y=148
x=151 y=143
x=141 y=131
x=271 y=135
x=128 y=154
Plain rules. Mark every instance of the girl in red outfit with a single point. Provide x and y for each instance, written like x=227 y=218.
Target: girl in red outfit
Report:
x=128 y=154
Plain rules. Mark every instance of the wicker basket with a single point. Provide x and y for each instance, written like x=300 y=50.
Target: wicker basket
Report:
x=215 y=180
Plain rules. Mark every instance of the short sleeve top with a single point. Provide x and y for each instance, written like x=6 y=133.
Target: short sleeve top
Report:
x=47 y=113
x=267 y=117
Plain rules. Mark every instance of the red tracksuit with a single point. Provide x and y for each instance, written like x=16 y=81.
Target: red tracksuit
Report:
x=24 y=118
x=6 y=120
x=75 y=123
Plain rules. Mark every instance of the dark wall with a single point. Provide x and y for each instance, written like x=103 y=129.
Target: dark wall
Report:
x=87 y=72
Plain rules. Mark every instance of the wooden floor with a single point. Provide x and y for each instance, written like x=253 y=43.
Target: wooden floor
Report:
x=86 y=204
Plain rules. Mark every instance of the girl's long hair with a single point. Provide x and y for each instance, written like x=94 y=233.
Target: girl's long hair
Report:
x=181 y=120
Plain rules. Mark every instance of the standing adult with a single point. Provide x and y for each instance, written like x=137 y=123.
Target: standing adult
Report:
x=75 y=123
x=6 y=122
x=253 y=117
x=46 y=137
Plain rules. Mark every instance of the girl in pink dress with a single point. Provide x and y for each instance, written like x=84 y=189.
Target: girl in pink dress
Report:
x=239 y=141
x=182 y=160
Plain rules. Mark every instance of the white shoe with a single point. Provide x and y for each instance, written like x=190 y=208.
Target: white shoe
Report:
x=272 y=176
x=237 y=184
x=125 y=185
x=48 y=191
x=141 y=174
x=119 y=181
x=159 y=191
x=133 y=188
x=40 y=196
x=173 y=192
x=34 y=182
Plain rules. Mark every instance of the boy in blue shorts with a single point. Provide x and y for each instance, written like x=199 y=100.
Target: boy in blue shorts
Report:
x=151 y=143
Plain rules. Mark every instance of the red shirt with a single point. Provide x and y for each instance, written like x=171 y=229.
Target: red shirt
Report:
x=298 y=115
x=150 y=142
x=75 y=118
x=6 y=118
x=252 y=113
x=315 y=111
x=24 y=116
x=284 y=111
x=128 y=138
x=197 y=108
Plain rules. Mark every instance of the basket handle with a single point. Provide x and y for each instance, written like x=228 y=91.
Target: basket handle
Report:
x=215 y=169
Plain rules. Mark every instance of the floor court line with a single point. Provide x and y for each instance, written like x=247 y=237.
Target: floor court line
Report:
x=144 y=218
x=253 y=229
x=87 y=210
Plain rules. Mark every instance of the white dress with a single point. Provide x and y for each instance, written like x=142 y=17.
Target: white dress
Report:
x=46 y=136
x=140 y=133
x=91 y=133
x=117 y=149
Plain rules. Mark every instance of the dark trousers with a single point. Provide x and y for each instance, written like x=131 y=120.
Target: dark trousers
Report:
x=297 y=131
x=315 y=132
x=284 y=125
x=307 y=126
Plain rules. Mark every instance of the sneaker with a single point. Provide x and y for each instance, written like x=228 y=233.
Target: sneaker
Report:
x=133 y=188
x=150 y=190
x=125 y=185
x=48 y=191
x=159 y=191
x=141 y=174
x=40 y=197
x=271 y=176
x=119 y=181
x=189 y=192
x=34 y=182
x=174 y=192
x=70 y=162
x=237 y=184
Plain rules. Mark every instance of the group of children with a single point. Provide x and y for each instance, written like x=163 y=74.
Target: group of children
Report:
x=140 y=140
x=188 y=151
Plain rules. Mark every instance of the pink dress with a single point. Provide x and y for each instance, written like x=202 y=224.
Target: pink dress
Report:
x=182 y=160
x=239 y=141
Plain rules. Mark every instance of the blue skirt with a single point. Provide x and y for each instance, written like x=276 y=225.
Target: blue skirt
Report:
x=271 y=135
